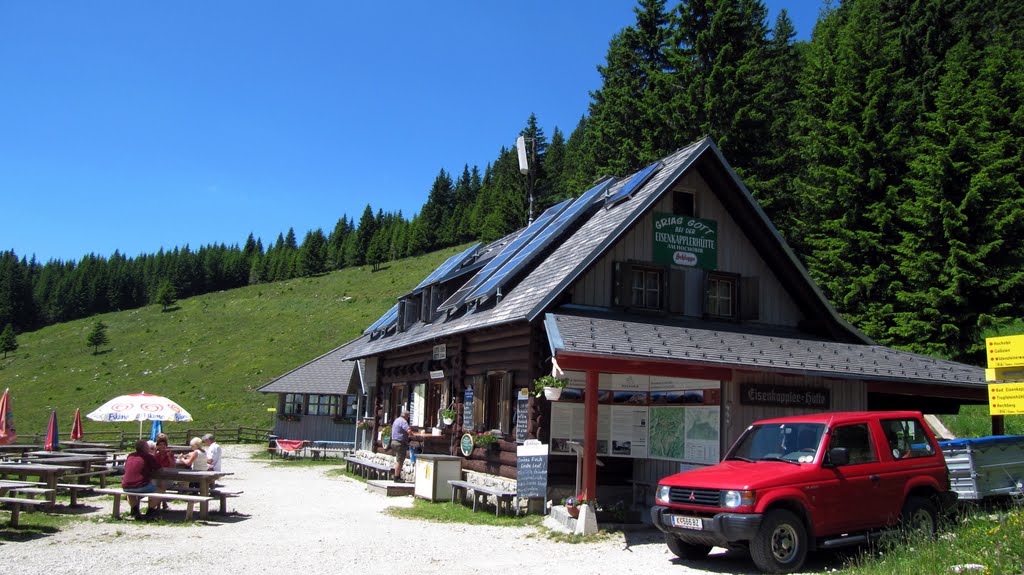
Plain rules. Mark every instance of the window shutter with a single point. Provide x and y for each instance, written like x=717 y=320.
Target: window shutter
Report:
x=676 y=291
x=622 y=274
x=425 y=311
x=749 y=298
x=401 y=314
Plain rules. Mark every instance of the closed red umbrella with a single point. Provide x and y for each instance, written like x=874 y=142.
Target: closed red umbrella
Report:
x=7 y=434
x=76 y=427
x=52 y=439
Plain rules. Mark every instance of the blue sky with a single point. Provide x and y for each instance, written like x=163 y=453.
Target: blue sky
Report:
x=136 y=126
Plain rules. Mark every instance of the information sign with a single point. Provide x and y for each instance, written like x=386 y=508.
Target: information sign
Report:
x=1005 y=351
x=1006 y=398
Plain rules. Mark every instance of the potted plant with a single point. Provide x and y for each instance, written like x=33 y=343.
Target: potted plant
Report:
x=486 y=439
x=448 y=416
x=384 y=435
x=549 y=386
x=573 y=504
x=363 y=424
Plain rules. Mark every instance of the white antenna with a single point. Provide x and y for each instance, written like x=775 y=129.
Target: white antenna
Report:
x=524 y=165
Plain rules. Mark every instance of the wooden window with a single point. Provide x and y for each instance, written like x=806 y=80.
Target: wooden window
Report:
x=721 y=295
x=682 y=204
x=293 y=404
x=641 y=287
x=349 y=407
x=418 y=407
x=323 y=404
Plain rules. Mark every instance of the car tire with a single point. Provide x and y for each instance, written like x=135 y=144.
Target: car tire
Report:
x=919 y=516
x=781 y=543
x=685 y=550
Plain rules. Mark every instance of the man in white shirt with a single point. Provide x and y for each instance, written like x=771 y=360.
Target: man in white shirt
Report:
x=213 y=453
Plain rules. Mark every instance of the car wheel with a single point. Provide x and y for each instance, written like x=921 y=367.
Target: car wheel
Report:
x=780 y=545
x=684 y=550
x=919 y=517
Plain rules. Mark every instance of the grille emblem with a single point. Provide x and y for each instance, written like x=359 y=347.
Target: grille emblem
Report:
x=693 y=497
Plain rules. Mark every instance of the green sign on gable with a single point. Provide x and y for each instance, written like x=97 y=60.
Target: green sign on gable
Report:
x=685 y=241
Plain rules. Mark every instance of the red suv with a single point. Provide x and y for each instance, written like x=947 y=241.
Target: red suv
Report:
x=795 y=484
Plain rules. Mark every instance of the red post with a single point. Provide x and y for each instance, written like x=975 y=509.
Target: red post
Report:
x=590 y=436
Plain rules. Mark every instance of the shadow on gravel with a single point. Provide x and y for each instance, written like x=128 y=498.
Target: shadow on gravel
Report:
x=737 y=561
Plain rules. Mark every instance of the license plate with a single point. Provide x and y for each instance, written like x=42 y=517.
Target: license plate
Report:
x=687 y=522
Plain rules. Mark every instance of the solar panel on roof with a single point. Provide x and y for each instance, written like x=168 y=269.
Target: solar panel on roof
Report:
x=448 y=265
x=634 y=183
x=510 y=250
x=392 y=314
x=540 y=241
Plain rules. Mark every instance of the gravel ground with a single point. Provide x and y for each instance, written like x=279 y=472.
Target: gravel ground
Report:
x=297 y=520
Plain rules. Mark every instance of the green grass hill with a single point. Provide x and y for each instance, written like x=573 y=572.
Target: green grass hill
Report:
x=209 y=353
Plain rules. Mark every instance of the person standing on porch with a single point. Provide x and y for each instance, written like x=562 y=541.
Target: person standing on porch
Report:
x=400 y=442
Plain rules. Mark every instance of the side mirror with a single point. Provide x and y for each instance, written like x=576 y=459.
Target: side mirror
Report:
x=838 y=457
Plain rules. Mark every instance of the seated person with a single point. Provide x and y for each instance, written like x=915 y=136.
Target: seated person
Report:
x=195 y=459
x=138 y=475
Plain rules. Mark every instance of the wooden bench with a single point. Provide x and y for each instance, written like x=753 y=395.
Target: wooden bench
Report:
x=337 y=448
x=365 y=468
x=216 y=493
x=502 y=499
x=101 y=473
x=16 y=503
x=191 y=500
x=35 y=487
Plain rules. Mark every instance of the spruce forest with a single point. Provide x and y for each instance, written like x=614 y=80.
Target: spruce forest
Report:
x=887 y=150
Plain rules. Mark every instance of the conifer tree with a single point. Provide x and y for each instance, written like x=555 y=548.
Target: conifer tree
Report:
x=8 y=342
x=97 y=337
x=166 y=295
x=313 y=253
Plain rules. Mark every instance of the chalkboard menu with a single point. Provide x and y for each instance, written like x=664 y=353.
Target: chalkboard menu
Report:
x=467 y=409
x=522 y=410
x=532 y=470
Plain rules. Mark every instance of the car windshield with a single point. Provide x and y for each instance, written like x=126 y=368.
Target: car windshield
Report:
x=793 y=442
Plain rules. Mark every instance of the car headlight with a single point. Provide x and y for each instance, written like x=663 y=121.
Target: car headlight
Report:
x=663 y=493
x=732 y=498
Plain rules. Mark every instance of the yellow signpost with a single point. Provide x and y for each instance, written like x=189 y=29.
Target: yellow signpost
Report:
x=1005 y=351
x=1006 y=398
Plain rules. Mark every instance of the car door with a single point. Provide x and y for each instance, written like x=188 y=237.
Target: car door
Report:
x=852 y=497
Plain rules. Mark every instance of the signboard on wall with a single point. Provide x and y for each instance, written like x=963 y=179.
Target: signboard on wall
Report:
x=685 y=241
x=785 y=396
x=467 y=409
x=522 y=411
x=440 y=352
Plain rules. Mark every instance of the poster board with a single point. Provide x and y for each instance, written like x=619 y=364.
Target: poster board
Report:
x=640 y=416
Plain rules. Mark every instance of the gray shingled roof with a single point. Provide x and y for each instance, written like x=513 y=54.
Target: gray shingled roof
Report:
x=631 y=337
x=576 y=253
x=329 y=374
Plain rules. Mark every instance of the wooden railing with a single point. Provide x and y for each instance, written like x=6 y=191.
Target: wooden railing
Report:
x=123 y=440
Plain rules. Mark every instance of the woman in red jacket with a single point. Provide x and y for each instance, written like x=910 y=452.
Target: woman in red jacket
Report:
x=138 y=476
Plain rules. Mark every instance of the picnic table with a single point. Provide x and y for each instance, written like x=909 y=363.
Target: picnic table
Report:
x=18 y=449
x=48 y=474
x=205 y=479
